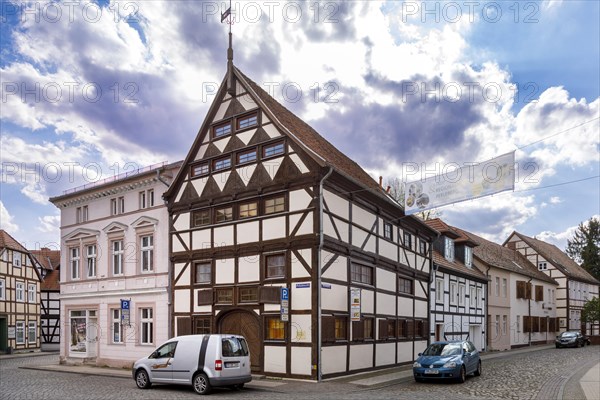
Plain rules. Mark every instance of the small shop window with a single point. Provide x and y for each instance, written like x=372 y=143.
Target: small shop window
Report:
x=275 y=328
x=248 y=295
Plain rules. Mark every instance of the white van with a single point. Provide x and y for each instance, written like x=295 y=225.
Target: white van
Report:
x=202 y=361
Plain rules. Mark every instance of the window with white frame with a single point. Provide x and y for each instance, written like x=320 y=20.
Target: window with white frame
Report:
x=2 y=289
x=150 y=197
x=518 y=323
x=461 y=295
x=91 y=260
x=147 y=326
x=449 y=249
x=20 y=291
x=16 y=259
x=85 y=214
x=504 y=288
x=31 y=289
x=74 y=262
x=20 y=332
x=388 y=231
x=439 y=290
x=453 y=293
x=543 y=265
x=504 y=324
x=479 y=297
x=407 y=240
x=78 y=215
x=147 y=256
x=117 y=336
x=498 y=329
x=117 y=257
x=468 y=256
x=143 y=199
x=497 y=286
x=32 y=332
x=472 y=297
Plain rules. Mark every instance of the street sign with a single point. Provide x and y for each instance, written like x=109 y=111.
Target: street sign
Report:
x=124 y=304
x=355 y=304
x=285 y=304
x=125 y=312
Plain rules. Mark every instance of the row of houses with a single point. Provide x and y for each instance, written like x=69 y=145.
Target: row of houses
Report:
x=261 y=203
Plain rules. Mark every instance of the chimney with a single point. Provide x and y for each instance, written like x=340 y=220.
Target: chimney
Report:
x=381 y=182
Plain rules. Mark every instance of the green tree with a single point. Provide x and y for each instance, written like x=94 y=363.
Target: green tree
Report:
x=591 y=310
x=584 y=247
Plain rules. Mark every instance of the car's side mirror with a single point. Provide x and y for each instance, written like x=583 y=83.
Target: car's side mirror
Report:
x=153 y=355
x=420 y=354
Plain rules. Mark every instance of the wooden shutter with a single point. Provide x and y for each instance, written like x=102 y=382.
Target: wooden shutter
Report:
x=539 y=293
x=528 y=291
x=383 y=329
x=521 y=289
x=543 y=324
x=358 y=330
x=184 y=326
x=410 y=328
x=526 y=324
x=551 y=325
x=392 y=332
x=535 y=324
x=328 y=330
x=402 y=328
x=424 y=331
x=205 y=297
x=270 y=294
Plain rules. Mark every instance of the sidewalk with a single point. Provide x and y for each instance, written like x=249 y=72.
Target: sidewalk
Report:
x=590 y=381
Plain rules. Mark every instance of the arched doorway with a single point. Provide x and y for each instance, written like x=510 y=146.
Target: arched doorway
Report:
x=245 y=323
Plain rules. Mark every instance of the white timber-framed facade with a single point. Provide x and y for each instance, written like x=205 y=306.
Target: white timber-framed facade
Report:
x=458 y=305
x=114 y=240
x=263 y=202
x=19 y=298
x=48 y=263
x=575 y=285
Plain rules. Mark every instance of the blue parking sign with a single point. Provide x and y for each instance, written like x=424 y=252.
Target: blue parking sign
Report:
x=124 y=304
x=285 y=293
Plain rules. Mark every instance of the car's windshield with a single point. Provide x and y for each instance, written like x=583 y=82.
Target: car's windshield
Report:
x=443 y=349
x=569 y=334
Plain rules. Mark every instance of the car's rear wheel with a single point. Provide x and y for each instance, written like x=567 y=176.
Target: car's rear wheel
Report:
x=478 y=370
x=462 y=377
x=142 y=380
x=201 y=384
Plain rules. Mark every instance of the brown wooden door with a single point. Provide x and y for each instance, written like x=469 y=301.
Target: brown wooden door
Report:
x=244 y=323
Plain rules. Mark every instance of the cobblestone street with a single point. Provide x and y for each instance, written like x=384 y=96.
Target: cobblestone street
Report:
x=545 y=374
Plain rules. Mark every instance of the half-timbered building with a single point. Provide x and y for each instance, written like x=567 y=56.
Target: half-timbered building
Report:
x=263 y=202
x=47 y=262
x=575 y=285
x=19 y=297
x=521 y=299
x=458 y=289
x=115 y=267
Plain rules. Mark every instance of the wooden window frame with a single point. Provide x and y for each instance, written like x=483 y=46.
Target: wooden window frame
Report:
x=388 y=231
x=255 y=203
x=251 y=301
x=266 y=258
x=219 y=126
x=216 y=214
x=200 y=327
x=281 y=329
x=275 y=207
x=198 y=212
x=195 y=277
x=402 y=285
x=249 y=117
x=273 y=145
x=245 y=152
x=361 y=274
x=225 y=160
x=220 y=290
x=407 y=240
x=204 y=170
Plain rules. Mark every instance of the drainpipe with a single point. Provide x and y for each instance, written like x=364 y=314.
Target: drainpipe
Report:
x=529 y=311
x=487 y=322
x=161 y=179
x=319 y=324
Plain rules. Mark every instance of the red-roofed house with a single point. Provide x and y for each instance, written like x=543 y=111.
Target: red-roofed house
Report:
x=19 y=297
x=576 y=285
x=48 y=263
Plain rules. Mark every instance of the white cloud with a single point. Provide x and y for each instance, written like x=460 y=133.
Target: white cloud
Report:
x=49 y=224
x=559 y=239
x=555 y=200
x=6 y=220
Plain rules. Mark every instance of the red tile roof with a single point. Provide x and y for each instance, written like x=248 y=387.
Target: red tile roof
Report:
x=440 y=260
x=559 y=259
x=442 y=228
x=48 y=259
x=7 y=241
x=51 y=281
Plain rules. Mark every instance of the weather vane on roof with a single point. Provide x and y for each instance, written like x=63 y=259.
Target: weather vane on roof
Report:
x=226 y=16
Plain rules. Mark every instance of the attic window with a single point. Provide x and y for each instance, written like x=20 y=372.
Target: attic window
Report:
x=200 y=169
x=449 y=249
x=246 y=156
x=247 y=121
x=222 y=130
x=222 y=163
x=468 y=256
x=542 y=266
x=272 y=150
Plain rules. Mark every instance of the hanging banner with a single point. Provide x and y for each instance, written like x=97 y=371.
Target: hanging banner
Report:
x=355 y=304
x=466 y=183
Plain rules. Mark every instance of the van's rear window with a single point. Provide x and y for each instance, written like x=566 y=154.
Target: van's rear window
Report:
x=234 y=347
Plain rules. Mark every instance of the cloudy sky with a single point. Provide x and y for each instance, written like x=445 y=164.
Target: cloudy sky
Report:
x=92 y=89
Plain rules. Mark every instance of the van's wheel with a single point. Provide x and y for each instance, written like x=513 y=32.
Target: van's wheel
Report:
x=201 y=384
x=142 y=380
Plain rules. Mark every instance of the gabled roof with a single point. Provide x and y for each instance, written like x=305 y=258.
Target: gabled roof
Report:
x=48 y=259
x=442 y=228
x=496 y=255
x=51 y=281
x=440 y=260
x=315 y=145
x=8 y=242
x=558 y=258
